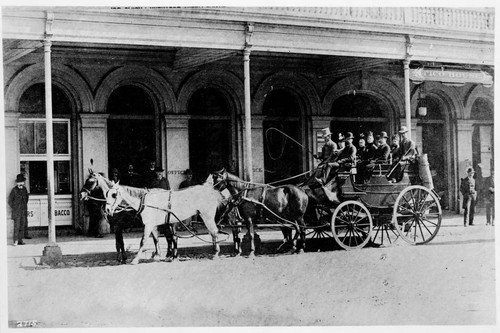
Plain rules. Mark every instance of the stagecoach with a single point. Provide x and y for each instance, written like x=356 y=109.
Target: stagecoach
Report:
x=375 y=210
x=371 y=210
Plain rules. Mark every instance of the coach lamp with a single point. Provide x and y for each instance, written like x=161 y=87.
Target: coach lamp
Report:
x=422 y=102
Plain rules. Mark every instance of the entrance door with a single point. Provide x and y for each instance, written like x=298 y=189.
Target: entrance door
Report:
x=433 y=145
x=131 y=142
x=282 y=156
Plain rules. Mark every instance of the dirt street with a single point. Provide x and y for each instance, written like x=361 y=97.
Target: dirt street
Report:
x=450 y=281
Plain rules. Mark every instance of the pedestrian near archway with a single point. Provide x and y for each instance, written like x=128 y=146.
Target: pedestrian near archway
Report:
x=18 y=202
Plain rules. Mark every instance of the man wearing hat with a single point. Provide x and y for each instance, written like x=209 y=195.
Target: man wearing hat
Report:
x=383 y=150
x=407 y=151
x=329 y=148
x=18 y=202
x=469 y=195
x=346 y=157
x=188 y=181
x=160 y=181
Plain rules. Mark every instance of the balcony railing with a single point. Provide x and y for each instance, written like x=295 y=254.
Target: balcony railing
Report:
x=477 y=20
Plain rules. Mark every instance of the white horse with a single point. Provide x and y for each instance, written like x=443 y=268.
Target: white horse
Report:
x=154 y=206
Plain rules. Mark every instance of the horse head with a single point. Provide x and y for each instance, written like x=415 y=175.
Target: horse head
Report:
x=219 y=179
x=113 y=198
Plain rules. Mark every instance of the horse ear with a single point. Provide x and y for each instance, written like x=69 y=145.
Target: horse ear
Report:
x=92 y=162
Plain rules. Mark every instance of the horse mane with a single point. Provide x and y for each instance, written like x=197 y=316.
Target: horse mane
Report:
x=134 y=191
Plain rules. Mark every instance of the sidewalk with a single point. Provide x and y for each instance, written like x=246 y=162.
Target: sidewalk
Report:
x=103 y=250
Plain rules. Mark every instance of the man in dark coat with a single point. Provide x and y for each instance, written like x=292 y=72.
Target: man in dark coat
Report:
x=188 y=181
x=469 y=194
x=407 y=151
x=160 y=181
x=18 y=202
x=131 y=178
x=489 y=198
x=150 y=175
x=346 y=158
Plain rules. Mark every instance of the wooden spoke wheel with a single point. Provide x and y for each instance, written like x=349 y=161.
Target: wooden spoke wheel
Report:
x=320 y=228
x=351 y=225
x=417 y=214
x=384 y=233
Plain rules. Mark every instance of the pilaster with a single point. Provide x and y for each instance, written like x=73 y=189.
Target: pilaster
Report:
x=177 y=147
x=94 y=141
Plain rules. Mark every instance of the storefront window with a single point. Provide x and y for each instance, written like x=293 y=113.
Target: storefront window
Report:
x=33 y=148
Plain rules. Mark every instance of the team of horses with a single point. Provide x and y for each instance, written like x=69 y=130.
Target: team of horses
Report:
x=286 y=205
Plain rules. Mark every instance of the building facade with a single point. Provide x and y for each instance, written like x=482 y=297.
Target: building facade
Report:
x=131 y=85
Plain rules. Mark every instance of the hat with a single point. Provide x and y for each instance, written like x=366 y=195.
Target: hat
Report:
x=341 y=137
x=383 y=134
x=159 y=169
x=403 y=129
x=114 y=170
x=470 y=169
x=20 y=178
x=361 y=135
x=188 y=172
x=368 y=133
x=326 y=131
x=348 y=136
x=130 y=167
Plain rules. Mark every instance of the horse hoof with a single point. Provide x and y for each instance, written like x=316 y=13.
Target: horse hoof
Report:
x=251 y=255
x=134 y=262
x=300 y=251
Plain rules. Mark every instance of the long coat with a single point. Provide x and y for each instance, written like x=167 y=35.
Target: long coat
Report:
x=18 y=201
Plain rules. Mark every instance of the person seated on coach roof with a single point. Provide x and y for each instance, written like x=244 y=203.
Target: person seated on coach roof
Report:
x=329 y=148
x=346 y=158
x=370 y=145
x=394 y=146
x=341 y=142
x=406 y=153
x=382 y=154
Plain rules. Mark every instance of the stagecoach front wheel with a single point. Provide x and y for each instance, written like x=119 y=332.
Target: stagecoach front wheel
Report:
x=417 y=214
x=351 y=225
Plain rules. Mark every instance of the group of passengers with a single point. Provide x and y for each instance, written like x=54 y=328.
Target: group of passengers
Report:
x=370 y=151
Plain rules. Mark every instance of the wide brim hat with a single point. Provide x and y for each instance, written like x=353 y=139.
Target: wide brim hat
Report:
x=383 y=134
x=326 y=131
x=20 y=178
x=403 y=129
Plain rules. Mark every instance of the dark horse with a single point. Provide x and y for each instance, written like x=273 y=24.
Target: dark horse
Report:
x=93 y=190
x=284 y=204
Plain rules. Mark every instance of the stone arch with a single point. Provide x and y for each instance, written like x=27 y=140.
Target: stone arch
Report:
x=473 y=94
x=448 y=96
x=298 y=85
x=78 y=91
x=152 y=82
x=382 y=89
x=227 y=83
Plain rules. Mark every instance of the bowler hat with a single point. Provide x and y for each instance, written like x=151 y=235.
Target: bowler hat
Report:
x=341 y=137
x=20 y=178
x=383 y=134
x=470 y=169
x=348 y=136
x=403 y=129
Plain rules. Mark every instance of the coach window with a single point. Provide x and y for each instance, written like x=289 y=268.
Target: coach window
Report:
x=33 y=143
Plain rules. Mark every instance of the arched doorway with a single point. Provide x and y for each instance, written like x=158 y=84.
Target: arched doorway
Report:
x=431 y=131
x=131 y=129
x=282 y=157
x=210 y=143
x=357 y=114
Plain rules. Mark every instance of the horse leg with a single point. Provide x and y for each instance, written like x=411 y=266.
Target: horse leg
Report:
x=156 y=239
x=237 y=241
x=251 y=237
x=145 y=235
x=173 y=232
x=120 y=246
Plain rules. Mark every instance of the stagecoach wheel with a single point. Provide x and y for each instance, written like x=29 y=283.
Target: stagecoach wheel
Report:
x=384 y=233
x=417 y=214
x=320 y=225
x=351 y=225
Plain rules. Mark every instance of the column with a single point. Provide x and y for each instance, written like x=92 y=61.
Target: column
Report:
x=177 y=147
x=52 y=254
x=248 y=117
x=406 y=64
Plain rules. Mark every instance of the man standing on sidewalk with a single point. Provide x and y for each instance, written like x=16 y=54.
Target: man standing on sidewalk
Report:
x=489 y=198
x=18 y=201
x=469 y=194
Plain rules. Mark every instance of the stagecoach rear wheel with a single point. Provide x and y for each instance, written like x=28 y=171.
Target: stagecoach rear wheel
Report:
x=417 y=214
x=384 y=233
x=351 y=225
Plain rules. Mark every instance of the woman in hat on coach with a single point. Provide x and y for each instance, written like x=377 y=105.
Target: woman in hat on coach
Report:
x=18 y=202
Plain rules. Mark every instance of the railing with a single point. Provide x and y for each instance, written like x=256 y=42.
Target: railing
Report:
x=478 y=20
